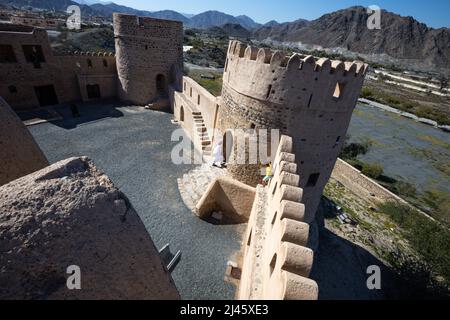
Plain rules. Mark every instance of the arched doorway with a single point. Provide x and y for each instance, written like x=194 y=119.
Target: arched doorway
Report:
x=227 y=145
x=181 y=114
x=161 y=86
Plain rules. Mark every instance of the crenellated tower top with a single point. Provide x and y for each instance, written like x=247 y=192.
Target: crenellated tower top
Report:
x=297 y=80
x=309 y=99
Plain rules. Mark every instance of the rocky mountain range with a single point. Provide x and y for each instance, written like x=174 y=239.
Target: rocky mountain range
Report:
x=401 y=39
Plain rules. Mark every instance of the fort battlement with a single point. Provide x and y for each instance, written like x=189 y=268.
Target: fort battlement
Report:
x=309 y=99
x=276 y=259
x=91 y=54
x=145 y=27
x=295 y=61
x=297 y=81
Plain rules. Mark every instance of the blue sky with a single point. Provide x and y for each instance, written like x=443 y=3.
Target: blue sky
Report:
x=435 y=13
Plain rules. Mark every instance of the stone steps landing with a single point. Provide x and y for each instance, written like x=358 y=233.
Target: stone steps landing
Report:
x=193 y=184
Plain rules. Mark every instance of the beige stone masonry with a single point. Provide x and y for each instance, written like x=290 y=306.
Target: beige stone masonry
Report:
x=19 y=154
x=276 y=261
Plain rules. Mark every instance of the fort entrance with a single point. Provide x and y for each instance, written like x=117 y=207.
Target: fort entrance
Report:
x=161 y=86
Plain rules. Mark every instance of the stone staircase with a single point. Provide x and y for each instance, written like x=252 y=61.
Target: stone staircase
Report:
x=193 y=184
x=202 y=134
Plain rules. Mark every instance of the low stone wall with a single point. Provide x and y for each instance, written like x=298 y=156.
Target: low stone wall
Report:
x=19 y=152
x=230 y=196
x=195 y=98
x=276 y=262
x=359 y=184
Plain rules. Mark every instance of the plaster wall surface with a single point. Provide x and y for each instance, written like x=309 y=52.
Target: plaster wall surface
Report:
x=149 y=56
x=86 y=222
x=19 y=154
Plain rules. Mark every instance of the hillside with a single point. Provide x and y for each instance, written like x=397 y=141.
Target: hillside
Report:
x=400 y=37
x=402 y=40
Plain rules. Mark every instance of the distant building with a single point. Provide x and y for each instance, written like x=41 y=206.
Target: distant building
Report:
x=36 y=21
x=32 y=76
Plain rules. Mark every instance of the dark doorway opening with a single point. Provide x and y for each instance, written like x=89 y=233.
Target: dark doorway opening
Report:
x=93 y=91
x=46 y=95
x=181 y=114
x=227 y=145
x=161 y=86
x=34 y=54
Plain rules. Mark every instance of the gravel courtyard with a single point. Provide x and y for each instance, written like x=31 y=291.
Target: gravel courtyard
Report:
x=133 y=146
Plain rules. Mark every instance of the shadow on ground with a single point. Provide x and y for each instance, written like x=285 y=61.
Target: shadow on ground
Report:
x=340 y=270
x=89 y=112
x=134 y=150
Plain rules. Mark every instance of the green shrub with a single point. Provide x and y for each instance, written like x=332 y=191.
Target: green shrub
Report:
x=429 y=239
x=366 y=93
x=351 y=151
x=405 y=189
x=372 y=170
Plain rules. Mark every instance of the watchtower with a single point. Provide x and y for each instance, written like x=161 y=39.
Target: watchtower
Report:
x=149 y=55
x=310 y=100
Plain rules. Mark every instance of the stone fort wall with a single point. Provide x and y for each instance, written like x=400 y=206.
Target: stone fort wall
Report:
x=361 y=185
x=68 y=75
x=308 y=99
x=276 y=260
x=20 y=154
x=149 y=56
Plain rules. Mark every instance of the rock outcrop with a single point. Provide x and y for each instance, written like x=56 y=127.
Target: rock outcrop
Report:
x=71 y=214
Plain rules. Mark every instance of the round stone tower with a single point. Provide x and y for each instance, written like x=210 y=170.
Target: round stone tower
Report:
x=149 y=55
x=310 y=100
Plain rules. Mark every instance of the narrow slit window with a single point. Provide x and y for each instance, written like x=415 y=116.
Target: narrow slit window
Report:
x=273 y=263
x=269 y=91
x=309 y=101
x=274 y=218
